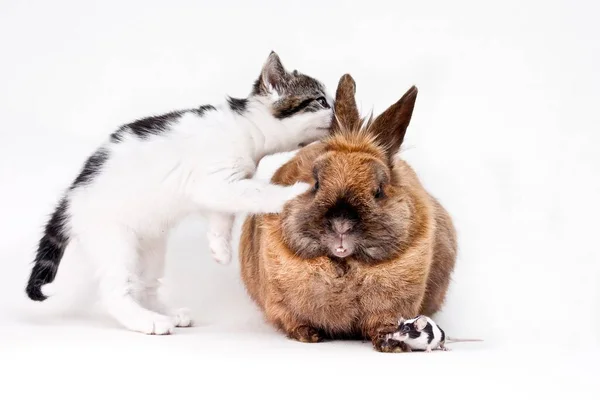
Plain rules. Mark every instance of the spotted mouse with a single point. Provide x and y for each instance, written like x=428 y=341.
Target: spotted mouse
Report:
x=421 y=333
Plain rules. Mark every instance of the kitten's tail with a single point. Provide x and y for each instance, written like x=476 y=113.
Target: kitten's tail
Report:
x=51 y=248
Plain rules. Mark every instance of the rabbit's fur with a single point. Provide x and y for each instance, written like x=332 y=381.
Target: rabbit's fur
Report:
x=365 y=246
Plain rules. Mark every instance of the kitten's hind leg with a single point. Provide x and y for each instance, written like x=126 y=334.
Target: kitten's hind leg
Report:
x=152 y=254
x=114 y=253
x=219 y=236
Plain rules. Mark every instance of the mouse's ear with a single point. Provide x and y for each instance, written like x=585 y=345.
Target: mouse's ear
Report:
x=421 y=323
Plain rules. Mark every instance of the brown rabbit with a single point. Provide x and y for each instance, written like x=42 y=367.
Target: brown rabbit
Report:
x=364 y=247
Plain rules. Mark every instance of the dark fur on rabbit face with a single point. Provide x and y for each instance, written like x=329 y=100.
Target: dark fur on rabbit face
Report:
x=356 y=208
x=347 y=213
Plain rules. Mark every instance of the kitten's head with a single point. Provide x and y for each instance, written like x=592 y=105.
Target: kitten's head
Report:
x=299 y=102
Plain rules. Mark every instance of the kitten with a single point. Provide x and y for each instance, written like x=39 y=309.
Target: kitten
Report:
x=153 y=172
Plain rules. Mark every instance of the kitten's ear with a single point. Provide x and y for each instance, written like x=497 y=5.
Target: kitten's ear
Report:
x=345 y=110
x=390 y=126
x=273 y=74
x=421 y=323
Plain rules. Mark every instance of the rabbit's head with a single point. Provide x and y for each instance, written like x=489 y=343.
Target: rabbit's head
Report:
x=358 y=206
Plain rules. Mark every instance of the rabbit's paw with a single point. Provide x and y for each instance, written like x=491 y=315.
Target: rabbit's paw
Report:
x=382 y=342
x=384 y=345
x=389 y=346
x=306 y=334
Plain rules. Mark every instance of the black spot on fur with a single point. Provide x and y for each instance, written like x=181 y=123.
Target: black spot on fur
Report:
x=237 y=105
x=143 y=128
x=200 y=111
x=428 y=330
x=155 y=125
x=117 y=137
x=91 y=168
x=286 y=111
x=51 y=248
x=413 y=333
x=443 y=339
x=258 y=89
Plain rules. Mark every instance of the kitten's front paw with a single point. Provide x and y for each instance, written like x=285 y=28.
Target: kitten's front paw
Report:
x=297 y=189
x=220 y=248
x=182 y=318
x=151 y=324
x=275 y=202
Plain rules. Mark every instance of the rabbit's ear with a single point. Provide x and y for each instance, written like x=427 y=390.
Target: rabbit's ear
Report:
x=345 y=111
x=391 y=125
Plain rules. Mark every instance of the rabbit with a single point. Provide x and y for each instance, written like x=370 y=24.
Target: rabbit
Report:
x=364 y=247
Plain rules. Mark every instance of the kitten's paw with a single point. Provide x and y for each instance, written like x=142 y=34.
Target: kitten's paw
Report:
x=155 y=324
x=220 y=248
x=297 y=189
x=182 y=318
x=273 y=204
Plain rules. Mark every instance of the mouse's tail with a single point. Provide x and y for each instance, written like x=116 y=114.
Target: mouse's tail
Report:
x=457 y=340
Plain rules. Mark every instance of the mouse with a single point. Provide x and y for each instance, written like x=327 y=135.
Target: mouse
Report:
x=423 y=334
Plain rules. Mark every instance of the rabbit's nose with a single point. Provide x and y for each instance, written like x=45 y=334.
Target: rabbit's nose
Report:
x=342 y=226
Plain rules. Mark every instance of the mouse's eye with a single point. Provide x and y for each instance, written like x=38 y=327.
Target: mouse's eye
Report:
x=405 y=328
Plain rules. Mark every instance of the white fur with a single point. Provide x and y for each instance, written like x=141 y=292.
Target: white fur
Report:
x=121 y=220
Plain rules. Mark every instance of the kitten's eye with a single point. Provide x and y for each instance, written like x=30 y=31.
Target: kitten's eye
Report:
x=323 y=102
x=379 y=192
x=316 y=187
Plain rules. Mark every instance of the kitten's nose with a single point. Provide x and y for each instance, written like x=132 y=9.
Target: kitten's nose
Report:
x=342 y=226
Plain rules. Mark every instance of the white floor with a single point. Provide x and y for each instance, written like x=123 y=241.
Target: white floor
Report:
x=247 y=359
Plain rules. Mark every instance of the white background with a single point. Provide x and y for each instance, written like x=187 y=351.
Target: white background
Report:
x=505 y=134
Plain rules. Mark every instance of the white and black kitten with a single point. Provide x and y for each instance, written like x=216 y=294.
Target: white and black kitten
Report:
x=153 y=172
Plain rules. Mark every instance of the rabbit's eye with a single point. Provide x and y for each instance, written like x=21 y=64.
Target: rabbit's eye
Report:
x=379 y=192
x=316 y=178
x=323 y=102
